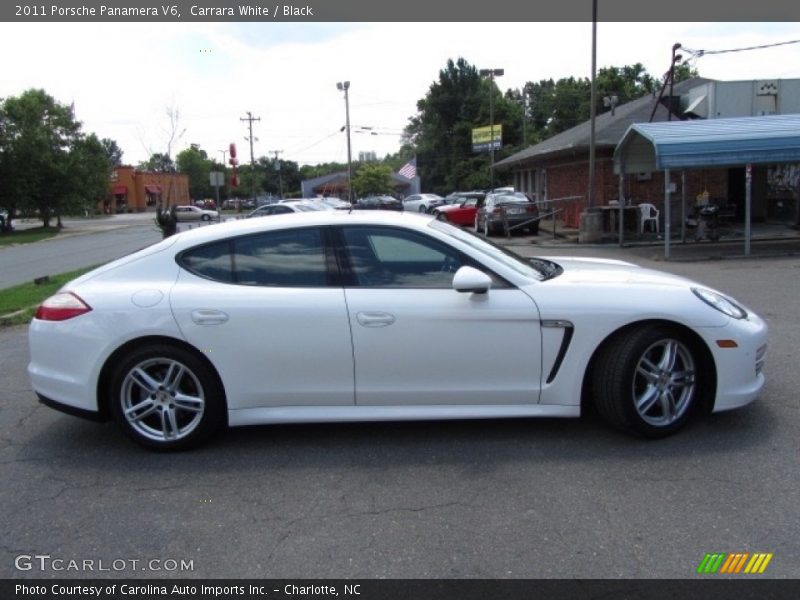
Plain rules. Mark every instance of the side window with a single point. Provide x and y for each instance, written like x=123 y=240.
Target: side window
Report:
x=212 y=261
x=393 y=258
x=290 y=258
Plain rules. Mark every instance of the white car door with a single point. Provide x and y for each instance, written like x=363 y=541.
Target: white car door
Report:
x=412 y=202
x=418 y=341
x=261 y=308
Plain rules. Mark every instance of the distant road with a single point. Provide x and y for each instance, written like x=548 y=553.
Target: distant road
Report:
x=97 y=242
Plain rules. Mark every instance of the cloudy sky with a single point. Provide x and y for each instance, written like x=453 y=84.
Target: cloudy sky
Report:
x=122 y=77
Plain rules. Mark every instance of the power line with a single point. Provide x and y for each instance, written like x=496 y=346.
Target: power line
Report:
x=317 y=143
x=699 y=53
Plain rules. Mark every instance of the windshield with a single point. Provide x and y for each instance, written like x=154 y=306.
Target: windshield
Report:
x=533 y=270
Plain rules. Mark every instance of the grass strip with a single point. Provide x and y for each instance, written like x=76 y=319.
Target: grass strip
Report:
x=28 y=236
x=27 y=296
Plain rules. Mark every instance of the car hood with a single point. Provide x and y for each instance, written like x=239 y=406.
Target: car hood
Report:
x=613 y=289
x=614 y=272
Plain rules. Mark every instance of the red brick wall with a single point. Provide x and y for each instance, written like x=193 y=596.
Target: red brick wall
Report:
x=570 y=177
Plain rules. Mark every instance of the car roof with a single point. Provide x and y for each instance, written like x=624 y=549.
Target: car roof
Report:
x=318 y=218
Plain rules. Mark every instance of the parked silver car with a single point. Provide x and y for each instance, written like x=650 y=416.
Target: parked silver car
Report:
x=515 y=208
x=194 y=213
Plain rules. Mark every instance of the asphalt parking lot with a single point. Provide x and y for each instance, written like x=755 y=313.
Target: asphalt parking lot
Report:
x=496 y=499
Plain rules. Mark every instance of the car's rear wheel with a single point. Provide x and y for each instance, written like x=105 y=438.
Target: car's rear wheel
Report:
x=167 y=398
x=422 y=208
x=645 y=381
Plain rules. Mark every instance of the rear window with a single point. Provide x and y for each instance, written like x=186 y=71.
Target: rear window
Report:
x=289 y=258
x=510 y=198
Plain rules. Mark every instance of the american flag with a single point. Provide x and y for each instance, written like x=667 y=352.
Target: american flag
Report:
x=409 y=170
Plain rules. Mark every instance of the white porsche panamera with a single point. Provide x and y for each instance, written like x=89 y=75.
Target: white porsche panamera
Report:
x=331 y=316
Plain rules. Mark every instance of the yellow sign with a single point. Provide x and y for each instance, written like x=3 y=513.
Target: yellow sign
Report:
x=482 y=138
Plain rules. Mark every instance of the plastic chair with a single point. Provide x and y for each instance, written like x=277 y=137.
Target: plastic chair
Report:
x=648 y=213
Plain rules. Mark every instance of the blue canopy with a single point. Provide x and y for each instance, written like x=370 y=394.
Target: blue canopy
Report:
x=769 y=139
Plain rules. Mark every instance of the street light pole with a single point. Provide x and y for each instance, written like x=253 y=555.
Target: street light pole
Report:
x=344 y=86
x=593 y=109
x=491 y=74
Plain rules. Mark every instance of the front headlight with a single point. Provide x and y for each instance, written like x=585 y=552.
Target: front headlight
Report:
x=721 y=303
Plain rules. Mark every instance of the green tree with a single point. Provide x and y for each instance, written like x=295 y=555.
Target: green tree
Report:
x=441 y=131
x=371 y=179
x=90 y=170
x=113 y=151
x=37 y=135
x=555 y=106
x=195 y=164
x=158 y=163
x=279 y=176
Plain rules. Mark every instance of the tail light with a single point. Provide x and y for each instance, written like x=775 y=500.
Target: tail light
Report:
x=62 y=306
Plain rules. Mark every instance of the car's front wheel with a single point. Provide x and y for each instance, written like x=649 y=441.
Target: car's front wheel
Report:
x=167 y=398
x=646 y=381
x=206 y=217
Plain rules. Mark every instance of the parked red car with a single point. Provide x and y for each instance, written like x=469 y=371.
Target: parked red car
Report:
x=460 y=213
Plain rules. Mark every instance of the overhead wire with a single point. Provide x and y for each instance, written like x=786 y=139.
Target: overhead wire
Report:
x=701 y=53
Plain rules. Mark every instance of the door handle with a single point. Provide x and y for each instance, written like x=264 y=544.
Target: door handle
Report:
x=207 y=316
x=375 y=319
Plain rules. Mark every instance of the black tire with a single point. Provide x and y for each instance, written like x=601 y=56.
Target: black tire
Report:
x=181 y=401
x=645 y=381
x=534 y=228
x=422 y=209
x=205 y=217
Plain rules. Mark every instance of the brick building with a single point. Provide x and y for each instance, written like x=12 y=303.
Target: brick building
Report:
x=558 y=167
x=131 y=190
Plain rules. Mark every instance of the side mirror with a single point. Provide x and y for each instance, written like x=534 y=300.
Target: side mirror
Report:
x=468 y=279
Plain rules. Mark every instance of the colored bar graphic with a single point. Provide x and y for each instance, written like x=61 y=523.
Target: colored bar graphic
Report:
x=758 y=564
x=734 y=562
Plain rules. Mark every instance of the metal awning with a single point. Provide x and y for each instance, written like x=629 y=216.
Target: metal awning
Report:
x=742 y=141
x=771 y=139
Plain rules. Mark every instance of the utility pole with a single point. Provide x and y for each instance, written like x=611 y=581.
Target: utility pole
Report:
x=250 y=118
x=344 y=86
x=525 y=107
x=278 y=168
x=592 y=109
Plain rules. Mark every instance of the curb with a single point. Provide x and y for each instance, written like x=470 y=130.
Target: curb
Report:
x=5 y=320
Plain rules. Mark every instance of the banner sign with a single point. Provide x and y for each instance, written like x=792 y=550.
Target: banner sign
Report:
x=482 y=138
